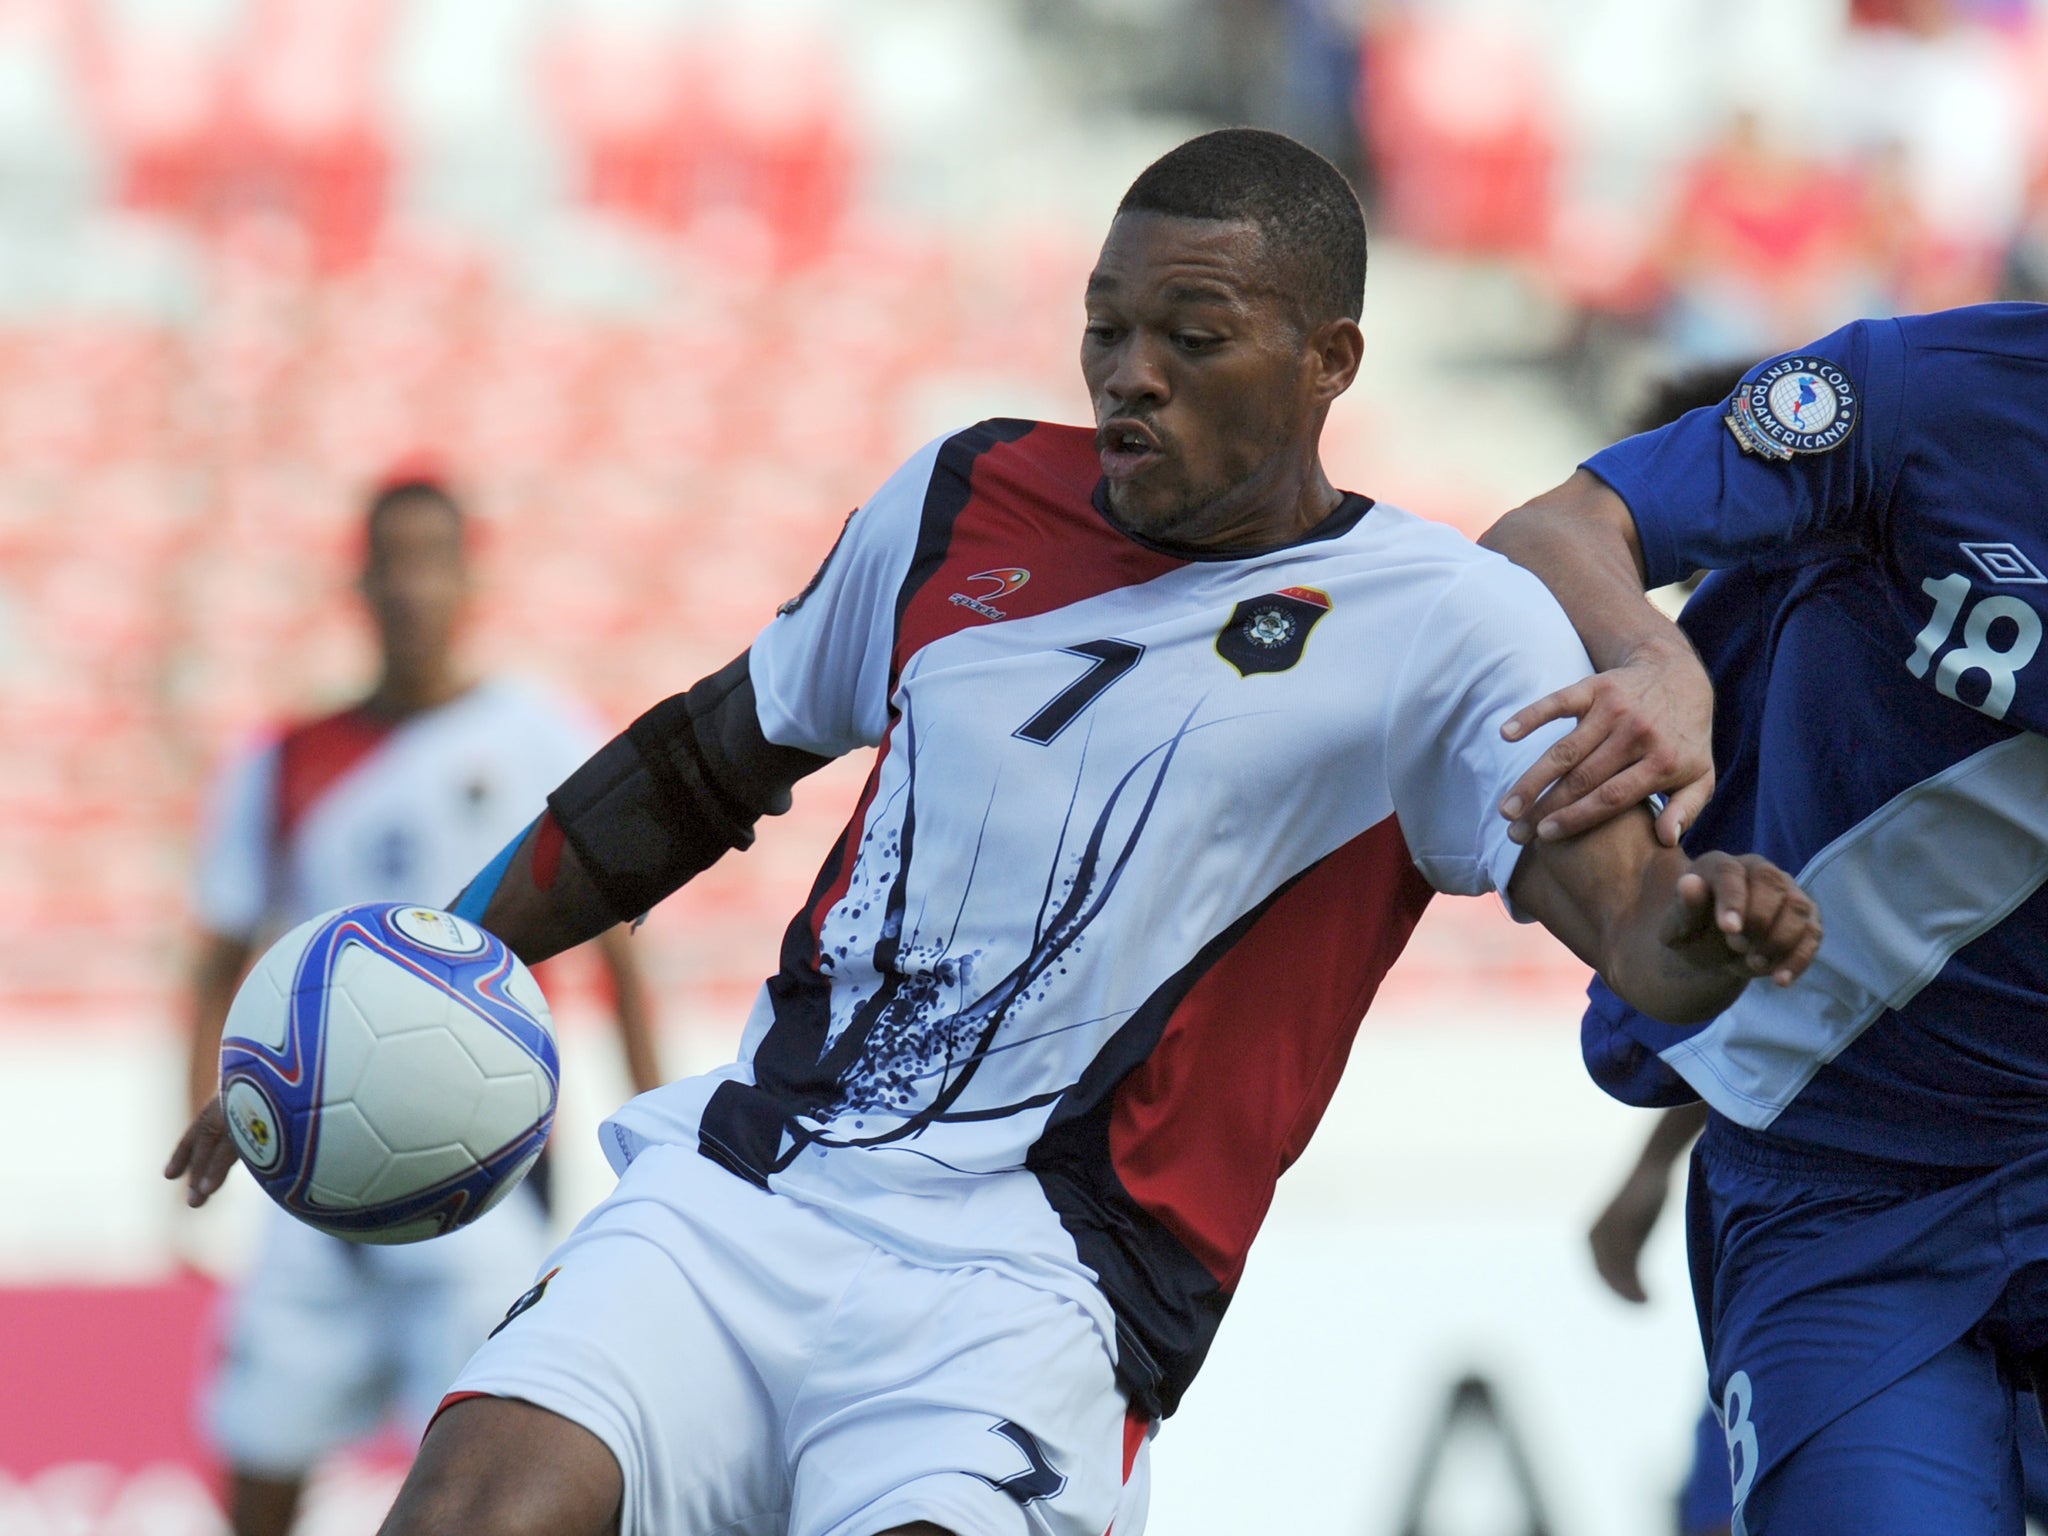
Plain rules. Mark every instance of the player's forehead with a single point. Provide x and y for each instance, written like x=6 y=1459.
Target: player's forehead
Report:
x=1156 y=258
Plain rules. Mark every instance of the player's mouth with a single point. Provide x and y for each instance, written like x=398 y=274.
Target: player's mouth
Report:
x=1127 y=447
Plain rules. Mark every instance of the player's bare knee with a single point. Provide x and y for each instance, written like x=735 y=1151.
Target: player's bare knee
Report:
x=498 y=1467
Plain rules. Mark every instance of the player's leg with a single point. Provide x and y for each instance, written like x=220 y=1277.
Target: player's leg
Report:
x=262 y=1506
x=298 y=1376
x=1708 y=1497
x=1934 y=1451
x=634 y=1387
x=495 y=1466
x=961 y=1400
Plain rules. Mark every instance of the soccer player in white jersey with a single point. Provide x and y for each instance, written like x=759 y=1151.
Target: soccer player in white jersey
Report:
x=1174 y=741
x=401 y=796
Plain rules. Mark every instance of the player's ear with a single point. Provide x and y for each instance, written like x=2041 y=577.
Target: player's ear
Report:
x=1336 y=350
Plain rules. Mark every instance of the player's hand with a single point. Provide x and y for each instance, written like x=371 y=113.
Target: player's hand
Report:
x=1743 y=916
x=1644 y=728
x=204 y=1154
x=1620 y=1232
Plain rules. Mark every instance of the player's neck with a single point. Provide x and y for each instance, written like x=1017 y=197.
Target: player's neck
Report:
x=1258 y=515
x=404 y=691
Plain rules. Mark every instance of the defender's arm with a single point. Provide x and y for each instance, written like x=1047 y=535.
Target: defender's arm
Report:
x=1676 y=937
x=1645 y=721
x=658 y=805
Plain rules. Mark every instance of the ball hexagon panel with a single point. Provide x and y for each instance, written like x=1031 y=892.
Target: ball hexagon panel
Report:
x=506 y=1108
x=410 y=1172
x=419 y=1090
x=348 y=1157
x=350 y=1045
x=495 y=1053
x=390 y=998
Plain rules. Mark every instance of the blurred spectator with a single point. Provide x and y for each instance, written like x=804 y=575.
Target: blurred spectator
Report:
x=1765 y=247
x=1938 y=99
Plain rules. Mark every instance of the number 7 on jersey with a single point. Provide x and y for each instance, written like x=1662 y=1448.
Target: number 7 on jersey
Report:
x=1108 y=660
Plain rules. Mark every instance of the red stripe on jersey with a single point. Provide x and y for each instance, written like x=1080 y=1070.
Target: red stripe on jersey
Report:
x=548 y=839
x=314 y=756
x=462 y=1397
x=1030 y=508
x=830 y=892
x=1135 y=1427
x=1204 y=1127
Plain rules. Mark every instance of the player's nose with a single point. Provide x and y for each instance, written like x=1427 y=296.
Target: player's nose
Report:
x=1137 y=375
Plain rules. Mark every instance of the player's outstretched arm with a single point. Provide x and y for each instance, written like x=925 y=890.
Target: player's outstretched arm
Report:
x=661 y=803
x=1677 y=938
x=1645 y=721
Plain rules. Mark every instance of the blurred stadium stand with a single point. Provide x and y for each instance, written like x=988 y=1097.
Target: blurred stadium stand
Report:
x=662 y=396
x=668 y=286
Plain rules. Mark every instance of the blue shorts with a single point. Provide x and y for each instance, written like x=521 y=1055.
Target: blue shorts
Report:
x=1706 y=1500
x=1869 y=1326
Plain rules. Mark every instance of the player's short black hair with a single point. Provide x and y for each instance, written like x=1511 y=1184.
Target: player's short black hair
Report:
x=1304 y=208
x=399 y=489
x=1676 y=393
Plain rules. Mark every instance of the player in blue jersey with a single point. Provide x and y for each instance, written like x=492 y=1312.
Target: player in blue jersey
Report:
x=1869 y=1203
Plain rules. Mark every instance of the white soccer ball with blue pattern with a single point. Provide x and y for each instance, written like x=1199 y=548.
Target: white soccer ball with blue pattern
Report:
x=388 y=1072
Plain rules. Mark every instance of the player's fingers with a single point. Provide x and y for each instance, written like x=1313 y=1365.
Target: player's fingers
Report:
x=181 y=1154
x=1683 y=809
x=1693 y=912
x=1571 y=702
x=1793 y=920
x=1564 y=754
x=1794 y=965
x=210 y=1170
x=1730 y=880
x=1617 y=785
x=1764 y=904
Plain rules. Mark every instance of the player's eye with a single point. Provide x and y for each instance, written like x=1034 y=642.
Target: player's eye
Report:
x=1102 y=333
x=1196 y=341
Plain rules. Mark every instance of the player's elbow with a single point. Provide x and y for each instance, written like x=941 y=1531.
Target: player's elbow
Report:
x=1669 y=995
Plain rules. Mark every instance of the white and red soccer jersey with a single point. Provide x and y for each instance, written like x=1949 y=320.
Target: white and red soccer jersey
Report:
x=1144 y=833
x=348 y=808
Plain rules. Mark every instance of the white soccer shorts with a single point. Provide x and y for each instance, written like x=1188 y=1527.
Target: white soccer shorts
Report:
x=758 y=1370
x=326 y=1340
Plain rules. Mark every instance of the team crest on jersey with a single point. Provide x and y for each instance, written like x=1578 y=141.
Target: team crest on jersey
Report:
x=1798 y=405
x=1268 y=634
x=527 y=1302
x=1004 y=581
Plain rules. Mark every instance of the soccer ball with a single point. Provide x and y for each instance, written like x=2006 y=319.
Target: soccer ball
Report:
x=388 y=1072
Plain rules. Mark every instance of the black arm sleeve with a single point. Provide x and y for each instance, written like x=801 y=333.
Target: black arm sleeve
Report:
x=682 y=786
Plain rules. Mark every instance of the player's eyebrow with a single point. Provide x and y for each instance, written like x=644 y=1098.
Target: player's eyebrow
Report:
x=1203 y=293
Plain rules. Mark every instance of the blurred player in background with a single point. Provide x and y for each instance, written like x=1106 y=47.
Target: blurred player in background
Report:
x=398 y=797
x=1868 y=1207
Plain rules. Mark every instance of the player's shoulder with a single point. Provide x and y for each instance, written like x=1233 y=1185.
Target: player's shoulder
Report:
x=1013 y=449
x=1436 y=559
x=2016 y=331
x=1448 y=583
x=998 y=460
x=346 y=733
x=515 y=703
